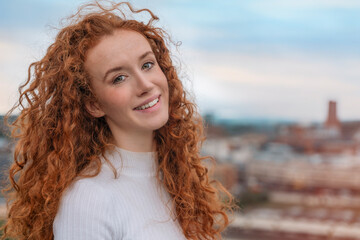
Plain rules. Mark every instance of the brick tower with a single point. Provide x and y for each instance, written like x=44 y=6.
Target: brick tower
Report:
x=332 y=119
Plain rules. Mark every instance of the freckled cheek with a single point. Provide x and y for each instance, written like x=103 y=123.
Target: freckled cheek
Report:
x=163 y=82
x=117 y=101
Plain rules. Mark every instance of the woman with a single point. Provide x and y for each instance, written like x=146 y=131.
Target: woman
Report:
x=107 y=141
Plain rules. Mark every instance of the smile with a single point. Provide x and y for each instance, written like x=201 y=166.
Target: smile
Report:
x=148 y=105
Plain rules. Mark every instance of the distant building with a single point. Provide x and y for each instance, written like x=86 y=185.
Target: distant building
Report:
x=332 y=137
x=332 y=120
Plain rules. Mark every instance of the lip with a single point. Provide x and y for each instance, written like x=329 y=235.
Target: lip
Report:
x=148 y=100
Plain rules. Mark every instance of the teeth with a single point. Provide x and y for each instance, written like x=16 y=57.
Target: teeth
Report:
x=148 y=105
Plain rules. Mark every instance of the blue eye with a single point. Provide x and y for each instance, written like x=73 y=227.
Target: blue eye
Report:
x=119 y=79
x=147 y=65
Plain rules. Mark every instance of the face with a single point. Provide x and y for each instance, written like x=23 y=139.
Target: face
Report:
x=131 y=89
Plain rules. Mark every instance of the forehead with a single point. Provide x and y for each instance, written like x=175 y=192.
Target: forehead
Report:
x=121 y=46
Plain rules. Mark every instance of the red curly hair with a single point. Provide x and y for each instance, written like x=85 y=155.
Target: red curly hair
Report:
x=57 y=139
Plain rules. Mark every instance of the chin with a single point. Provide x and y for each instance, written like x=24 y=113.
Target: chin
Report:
x=161 y=123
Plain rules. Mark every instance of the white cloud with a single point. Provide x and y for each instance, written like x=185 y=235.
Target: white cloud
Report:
x=14 y=61
x=294 y=85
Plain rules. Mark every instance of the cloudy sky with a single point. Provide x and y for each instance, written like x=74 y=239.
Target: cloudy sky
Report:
x=246 y=59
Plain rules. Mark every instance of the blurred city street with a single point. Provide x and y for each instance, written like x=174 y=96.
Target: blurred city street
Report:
x=291 y=181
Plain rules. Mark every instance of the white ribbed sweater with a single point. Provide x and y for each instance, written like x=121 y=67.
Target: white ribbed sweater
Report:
x=131 y=207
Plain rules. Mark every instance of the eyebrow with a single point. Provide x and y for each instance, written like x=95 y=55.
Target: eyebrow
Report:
x=118 y=68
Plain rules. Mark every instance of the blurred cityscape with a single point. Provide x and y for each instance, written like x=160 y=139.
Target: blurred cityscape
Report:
x=292 y=181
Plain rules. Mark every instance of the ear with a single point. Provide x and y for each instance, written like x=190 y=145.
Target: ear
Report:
x=94 y=109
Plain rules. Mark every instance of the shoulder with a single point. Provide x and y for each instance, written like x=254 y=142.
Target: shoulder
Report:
x=85 y=212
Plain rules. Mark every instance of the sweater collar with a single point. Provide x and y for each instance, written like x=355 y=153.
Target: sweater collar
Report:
x=133 y=163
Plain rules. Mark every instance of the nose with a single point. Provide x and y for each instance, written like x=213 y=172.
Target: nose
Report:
x=143 y=83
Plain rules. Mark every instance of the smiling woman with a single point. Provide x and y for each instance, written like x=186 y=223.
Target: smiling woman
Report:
x=107 y=141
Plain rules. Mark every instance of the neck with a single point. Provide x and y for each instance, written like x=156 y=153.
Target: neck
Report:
x=135 y=142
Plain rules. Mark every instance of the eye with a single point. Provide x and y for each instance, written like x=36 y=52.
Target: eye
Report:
x=119 y=79
x=147 y=65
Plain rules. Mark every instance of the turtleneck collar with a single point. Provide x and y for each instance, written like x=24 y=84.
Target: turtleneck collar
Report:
x=133 y=163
